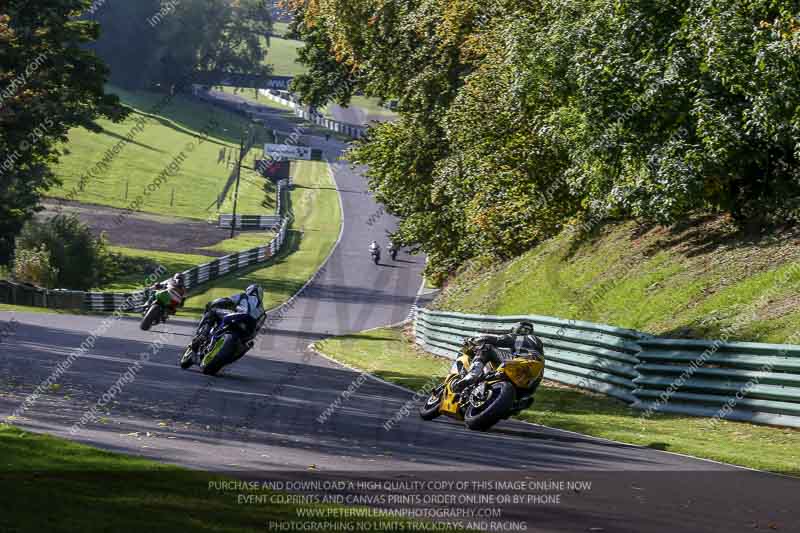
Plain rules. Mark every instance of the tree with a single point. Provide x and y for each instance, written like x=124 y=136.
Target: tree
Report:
x=126 y=42
x=50 y=83
x=520 y=118
x=151 y=44
x=79 y=259
x=33 y=266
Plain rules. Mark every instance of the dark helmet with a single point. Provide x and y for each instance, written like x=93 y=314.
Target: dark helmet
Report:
x=257 y=291
x=177 y=279
x=522 y=328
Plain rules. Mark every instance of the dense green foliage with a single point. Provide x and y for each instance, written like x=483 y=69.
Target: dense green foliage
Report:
x=522 y=117
x=78 y=260
x=49 y=83
x=32 y=265
x=156 y=43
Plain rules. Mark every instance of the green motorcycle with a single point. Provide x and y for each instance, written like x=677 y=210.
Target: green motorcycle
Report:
x=156 y=309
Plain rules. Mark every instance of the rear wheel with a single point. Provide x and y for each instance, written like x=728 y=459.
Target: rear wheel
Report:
x=430 y=409
x=221 y=353
x=484 y=412
x=152 y=316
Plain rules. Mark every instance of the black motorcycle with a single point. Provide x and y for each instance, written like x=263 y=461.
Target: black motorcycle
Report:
x=376 y=255
x=215 y=347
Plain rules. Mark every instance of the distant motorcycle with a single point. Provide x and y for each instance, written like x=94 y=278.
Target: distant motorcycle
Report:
x=376 y=255
x=393 y=253
x=216 y=347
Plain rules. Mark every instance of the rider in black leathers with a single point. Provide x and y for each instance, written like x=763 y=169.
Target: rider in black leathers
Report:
x=520 y=337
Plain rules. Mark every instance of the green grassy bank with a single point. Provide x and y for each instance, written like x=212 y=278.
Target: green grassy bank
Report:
x=691 y=280
x=316 y=220
x=199 y=138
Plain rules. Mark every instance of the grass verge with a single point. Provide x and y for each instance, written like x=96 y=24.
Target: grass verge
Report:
x=282 y=56
x=55 y=485
x=388 y=354
x=314 y=230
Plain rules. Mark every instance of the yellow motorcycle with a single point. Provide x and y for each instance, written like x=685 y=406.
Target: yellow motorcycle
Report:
x=498 y=393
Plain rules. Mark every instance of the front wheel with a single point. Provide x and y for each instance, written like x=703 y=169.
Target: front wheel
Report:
x=187 y=359
x=221 y=353
x=484 y=412
x=152 y=316
x=430 y=409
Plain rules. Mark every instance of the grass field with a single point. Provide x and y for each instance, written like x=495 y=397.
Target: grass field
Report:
x=142 y=262
x=280 y=28
x=691 y=280
x=55 y=485
x=282 y=56
x=202 y=133
x=387 y=353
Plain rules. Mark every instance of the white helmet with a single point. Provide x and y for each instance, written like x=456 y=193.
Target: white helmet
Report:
x=257 y=291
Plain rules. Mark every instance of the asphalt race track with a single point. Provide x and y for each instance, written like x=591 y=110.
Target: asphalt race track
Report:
x=261 y=416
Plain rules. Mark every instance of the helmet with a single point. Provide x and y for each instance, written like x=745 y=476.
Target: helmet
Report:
x=177 y=279
x=522 y=328
x=257 y=291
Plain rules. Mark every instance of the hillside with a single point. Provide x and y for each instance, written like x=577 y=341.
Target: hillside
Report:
x=190 y=133
x=697 y=279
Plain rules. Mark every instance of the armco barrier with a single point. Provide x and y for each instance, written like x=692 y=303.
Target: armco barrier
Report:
x=744 y=381
x=250 y=221
x=311 y=115
x=593 y=356
x=108 y=302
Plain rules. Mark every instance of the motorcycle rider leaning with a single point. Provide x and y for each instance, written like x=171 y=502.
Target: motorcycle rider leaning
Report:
x=519 y=337
x=250 y=302
x=177 y=292
x=374 y=246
